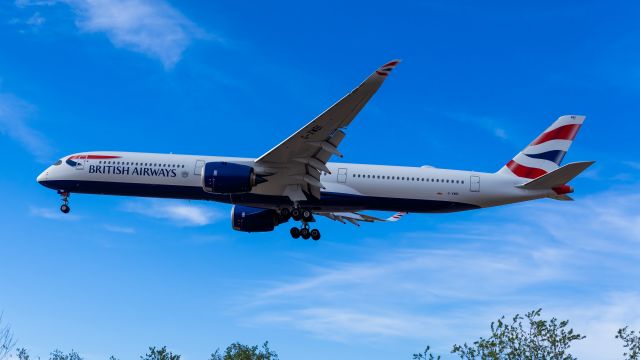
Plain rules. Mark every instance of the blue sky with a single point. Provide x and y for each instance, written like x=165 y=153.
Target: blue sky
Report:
x=477 y=83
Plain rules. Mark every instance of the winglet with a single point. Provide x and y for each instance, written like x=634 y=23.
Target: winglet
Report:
x=397 y=216
x=385 y=69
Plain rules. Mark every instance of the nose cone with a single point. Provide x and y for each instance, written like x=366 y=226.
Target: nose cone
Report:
x=42 y=177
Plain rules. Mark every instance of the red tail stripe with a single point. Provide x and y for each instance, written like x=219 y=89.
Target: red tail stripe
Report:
x=565 y=132
x=381 y=73
x=525 y=171
x=94 y=157
x=392 y=63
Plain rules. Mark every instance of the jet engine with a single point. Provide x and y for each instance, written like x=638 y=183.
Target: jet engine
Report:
x=229 y=178
x=250 y=219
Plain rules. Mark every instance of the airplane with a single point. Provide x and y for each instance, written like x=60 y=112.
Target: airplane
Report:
x=295 y=180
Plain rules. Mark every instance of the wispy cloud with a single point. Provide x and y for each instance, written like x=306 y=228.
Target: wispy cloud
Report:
x=632 y=164
x=51 y=214
x=490 y=124
x=119 y=229
x=572 y=259
x=150 y=27
x=178 y=212
x=14 y=116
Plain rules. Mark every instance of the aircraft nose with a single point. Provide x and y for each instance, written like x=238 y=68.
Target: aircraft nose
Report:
x=42 y=177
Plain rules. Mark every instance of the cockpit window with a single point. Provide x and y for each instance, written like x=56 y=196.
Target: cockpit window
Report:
x=57 y=163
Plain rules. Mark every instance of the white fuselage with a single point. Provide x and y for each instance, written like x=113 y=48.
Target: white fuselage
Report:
x=348 y=187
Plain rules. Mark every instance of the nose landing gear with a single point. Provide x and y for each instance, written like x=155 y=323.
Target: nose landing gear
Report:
x=65 y=201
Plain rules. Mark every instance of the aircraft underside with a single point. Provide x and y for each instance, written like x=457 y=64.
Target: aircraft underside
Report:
x=329 y=201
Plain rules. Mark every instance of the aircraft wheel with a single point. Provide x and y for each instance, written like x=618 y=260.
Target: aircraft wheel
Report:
x=306 y=215
x=295 y=232
x=296 y=214
x=304 y=232
x=285 y=214
x=315 y=234
x=65 y=208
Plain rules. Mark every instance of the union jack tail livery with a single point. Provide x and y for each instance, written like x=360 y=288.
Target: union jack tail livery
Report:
x=546 y=152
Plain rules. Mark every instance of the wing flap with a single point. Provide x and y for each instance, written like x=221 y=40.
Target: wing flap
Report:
x=355 y=218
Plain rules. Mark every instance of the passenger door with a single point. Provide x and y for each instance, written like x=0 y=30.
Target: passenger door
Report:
x=197 y=170
x=342 y=175
x=474 y=183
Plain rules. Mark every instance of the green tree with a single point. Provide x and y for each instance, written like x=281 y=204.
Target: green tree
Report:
x=539 y=339
x=59 y=355
x=426 y=355
x=22 y=354
x=6 y=340
x=159 y=354
x=631 y=343
x=237 y=351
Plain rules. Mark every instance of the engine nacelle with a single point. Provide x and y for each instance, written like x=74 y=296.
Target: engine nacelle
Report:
x=228 y=178
x=250 y=219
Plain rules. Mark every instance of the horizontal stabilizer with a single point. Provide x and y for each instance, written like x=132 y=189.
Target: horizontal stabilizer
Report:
x=557 y=177
x=563 y=197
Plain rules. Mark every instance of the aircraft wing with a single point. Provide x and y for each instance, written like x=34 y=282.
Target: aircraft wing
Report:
x=355 y=218
x=300 y=159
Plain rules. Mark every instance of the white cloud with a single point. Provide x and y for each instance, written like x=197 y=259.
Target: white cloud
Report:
x=25 y=3
x=600 y=322
x=119 y=229
x=36 y=20
x=150 y=27
x=178 y=212
x=51 y=214
x=487 y=123
x=14 y=116
x=575 y=260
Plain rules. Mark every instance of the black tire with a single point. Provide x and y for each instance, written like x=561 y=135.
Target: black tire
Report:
x=65 y=208
x=315 y=234
x=285 y=215
x=304 y=232
x=306 y=215
x=296 y=215
x=295 y=232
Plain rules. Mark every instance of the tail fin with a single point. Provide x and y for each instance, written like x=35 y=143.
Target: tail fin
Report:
x=546 y=152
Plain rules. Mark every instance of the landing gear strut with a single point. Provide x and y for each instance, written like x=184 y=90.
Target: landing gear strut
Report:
x=65 y=201
x=305 y=216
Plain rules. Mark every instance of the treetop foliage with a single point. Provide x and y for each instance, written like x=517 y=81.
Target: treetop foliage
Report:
x=631 y=343
x=237 y=351
x=159 y=354
x=535 y=339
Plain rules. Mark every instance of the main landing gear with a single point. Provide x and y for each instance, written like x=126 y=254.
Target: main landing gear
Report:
x=65 y=201
x=305 y=216
x=305 y=233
